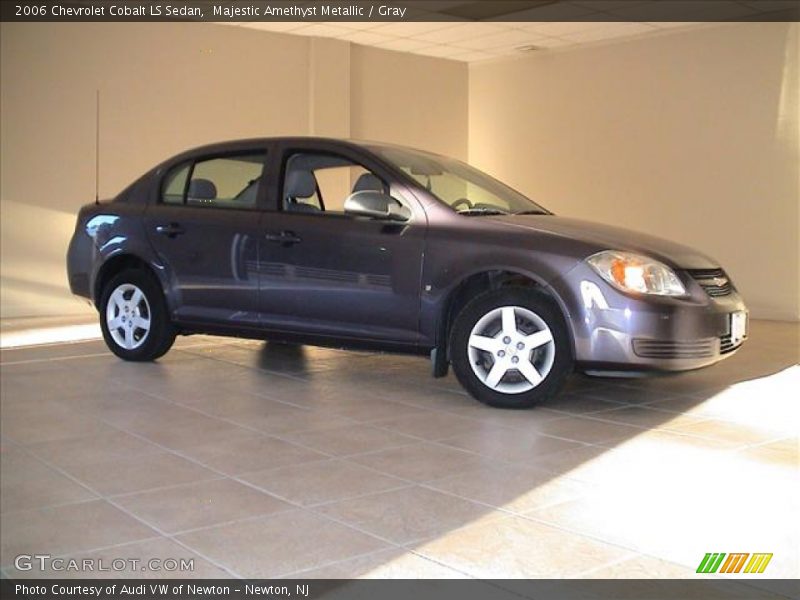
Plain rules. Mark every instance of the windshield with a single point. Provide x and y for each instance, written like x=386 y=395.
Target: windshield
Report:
x=463 y=188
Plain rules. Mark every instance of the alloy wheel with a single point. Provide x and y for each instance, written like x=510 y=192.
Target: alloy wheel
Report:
x=511 y=349
x=128 y=316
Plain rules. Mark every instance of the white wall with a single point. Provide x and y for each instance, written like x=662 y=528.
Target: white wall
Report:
x=166 y=87
x=413 y=100
x=689 y=135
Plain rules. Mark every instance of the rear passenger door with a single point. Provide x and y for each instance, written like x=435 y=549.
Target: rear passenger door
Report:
x=204 y=228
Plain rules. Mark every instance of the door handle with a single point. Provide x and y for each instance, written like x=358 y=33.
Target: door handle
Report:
x=170 y=230
x=284 y=238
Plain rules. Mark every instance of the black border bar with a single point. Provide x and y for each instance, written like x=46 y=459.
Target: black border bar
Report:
x=400 y=589
x=400 y=10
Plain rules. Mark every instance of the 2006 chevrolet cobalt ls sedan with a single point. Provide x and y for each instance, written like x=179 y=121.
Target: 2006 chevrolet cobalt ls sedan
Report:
x=366 y=245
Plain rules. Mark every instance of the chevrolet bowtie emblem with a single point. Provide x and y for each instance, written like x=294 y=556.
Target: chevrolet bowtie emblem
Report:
x=716 y=281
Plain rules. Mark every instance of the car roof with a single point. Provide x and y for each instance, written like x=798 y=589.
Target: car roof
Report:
x=237 y=144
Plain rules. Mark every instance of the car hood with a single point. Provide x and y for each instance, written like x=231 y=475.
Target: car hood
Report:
x=606 y=237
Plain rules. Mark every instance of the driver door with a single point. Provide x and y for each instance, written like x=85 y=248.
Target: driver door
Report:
x=328 y=273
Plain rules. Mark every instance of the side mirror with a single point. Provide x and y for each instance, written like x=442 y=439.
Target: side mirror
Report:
x=376 y=205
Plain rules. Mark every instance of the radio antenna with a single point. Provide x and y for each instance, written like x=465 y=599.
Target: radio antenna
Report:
x=97 y=150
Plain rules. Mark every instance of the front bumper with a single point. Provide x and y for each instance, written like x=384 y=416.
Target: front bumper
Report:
x=613 y=331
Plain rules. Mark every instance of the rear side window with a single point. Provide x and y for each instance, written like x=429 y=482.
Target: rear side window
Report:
x=175 y=185
x=230 y=181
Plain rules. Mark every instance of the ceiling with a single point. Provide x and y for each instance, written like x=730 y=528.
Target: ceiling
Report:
x=449 y=29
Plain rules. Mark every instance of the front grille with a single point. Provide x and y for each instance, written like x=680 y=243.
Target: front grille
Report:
x=726 y=344
x=714 y=281
x=702 y=348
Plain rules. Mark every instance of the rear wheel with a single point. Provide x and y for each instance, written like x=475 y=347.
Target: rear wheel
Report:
x=510 y=348
x=134 y=317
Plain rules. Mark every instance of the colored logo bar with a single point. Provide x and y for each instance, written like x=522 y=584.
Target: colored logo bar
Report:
x=713 y=562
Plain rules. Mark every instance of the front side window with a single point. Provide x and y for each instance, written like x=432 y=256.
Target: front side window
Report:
x=320 y=183
x=222 y=182
x=463 y=188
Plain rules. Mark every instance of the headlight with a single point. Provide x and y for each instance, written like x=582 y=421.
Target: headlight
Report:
x=636 y=273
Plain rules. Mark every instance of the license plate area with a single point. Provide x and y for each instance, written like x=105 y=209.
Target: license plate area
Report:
x=738 y=327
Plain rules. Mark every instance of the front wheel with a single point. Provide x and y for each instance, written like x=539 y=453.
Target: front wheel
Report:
x=510 y=348
x=133 y=317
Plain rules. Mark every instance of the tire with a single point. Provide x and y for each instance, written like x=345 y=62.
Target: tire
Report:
x=511 y=324
x=130 y=339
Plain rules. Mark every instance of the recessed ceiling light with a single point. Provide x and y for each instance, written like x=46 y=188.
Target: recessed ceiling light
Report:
x=528 y=48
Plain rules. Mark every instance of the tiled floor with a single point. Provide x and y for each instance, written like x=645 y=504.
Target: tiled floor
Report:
x=263 y=460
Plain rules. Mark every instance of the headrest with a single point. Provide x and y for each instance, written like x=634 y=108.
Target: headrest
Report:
x=202 y=189
x=300 y=184
x=368 y=182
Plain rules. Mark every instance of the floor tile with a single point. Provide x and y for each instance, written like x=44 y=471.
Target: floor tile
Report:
x=641 y=567
x=38 y=427
x=514 y=488
x=374 y=409
x=67 y=529
x=419 y=462
x=736 y=434
x=628 y=394
x=282 y=544
x=248 y=452
x=395 y=563
x=588 y=430
x=509 y=445
x=782 y=454
x=579 y=403
x=433 y=426
x=321 y=482
x=526 y=420
x=645 y=417
x=92 y=449
x=406 y=515
x=349 y=439
x=263 y=414
x=513 y=547
x=26 y=483
x=429 y=396
x=138 y=473
x=200 y=505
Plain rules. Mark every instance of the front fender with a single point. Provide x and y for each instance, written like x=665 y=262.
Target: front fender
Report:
x=448 y=266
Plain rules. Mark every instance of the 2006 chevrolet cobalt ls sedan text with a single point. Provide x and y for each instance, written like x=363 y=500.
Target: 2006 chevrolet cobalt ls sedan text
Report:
x=357 y=244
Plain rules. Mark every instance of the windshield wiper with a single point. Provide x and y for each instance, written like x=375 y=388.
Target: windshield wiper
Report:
x=483 y=211
x=530 y=212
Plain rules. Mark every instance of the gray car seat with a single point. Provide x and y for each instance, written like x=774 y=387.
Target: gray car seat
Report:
x=300 y=184
x=201 y=191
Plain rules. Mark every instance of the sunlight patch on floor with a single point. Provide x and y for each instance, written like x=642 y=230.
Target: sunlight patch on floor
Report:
x=50 y=335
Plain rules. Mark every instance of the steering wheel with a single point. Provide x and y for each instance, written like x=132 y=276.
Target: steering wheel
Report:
x=459 y=202
x=486 y=206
